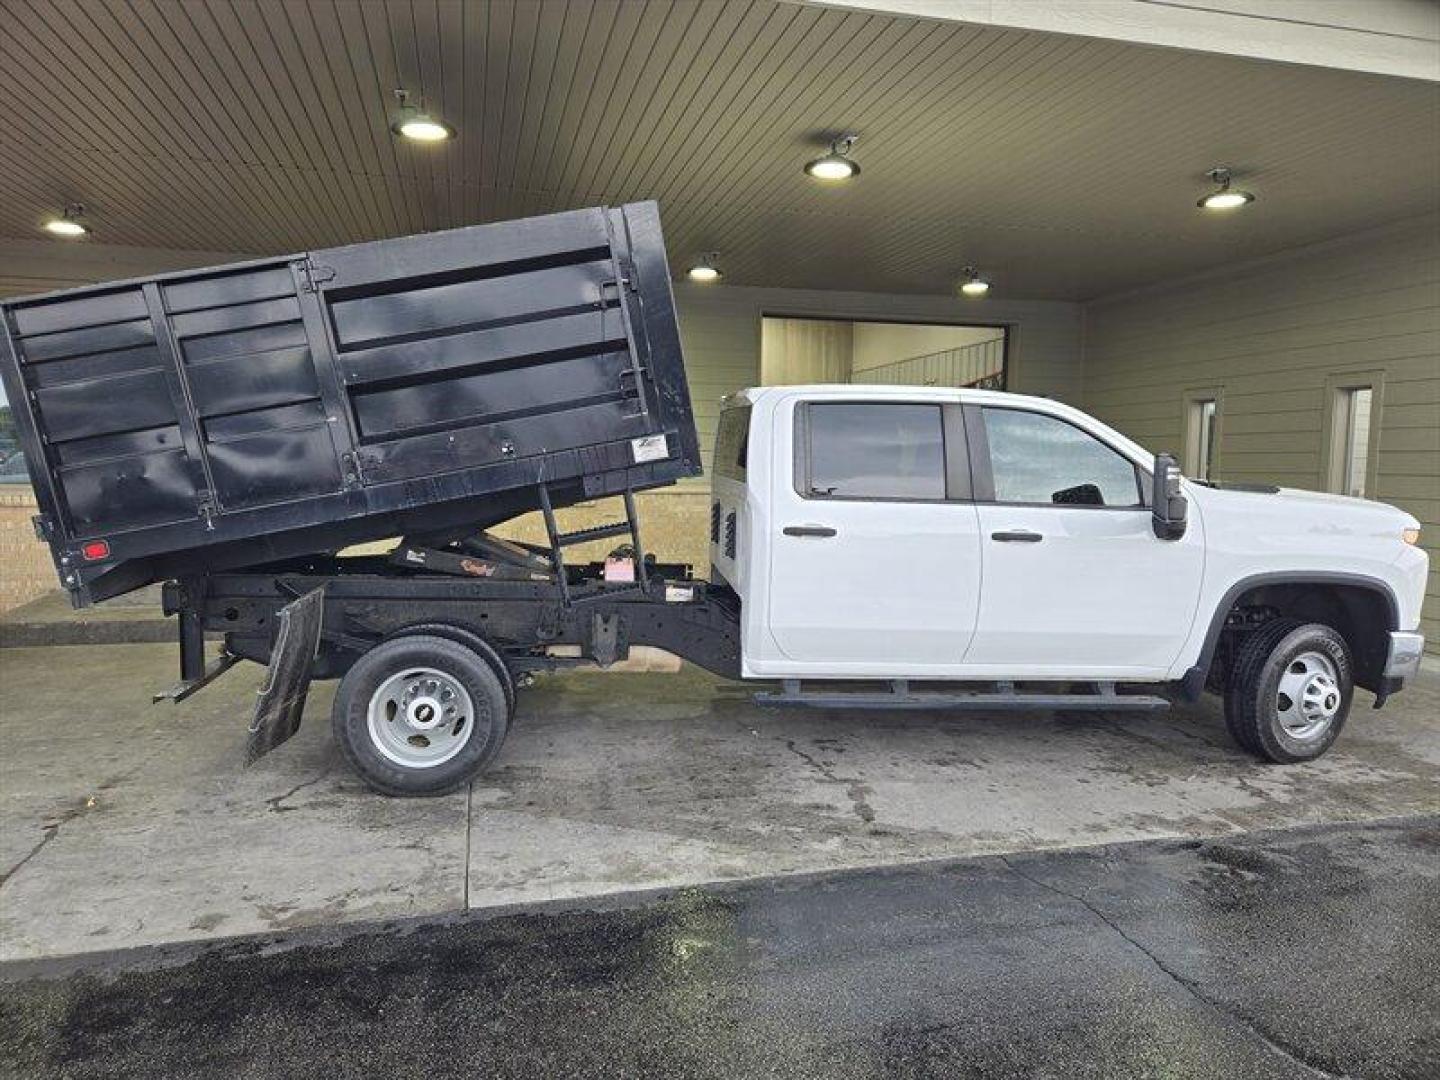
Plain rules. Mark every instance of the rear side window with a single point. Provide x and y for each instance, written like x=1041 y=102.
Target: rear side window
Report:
x=1041 y=459
x=872 y=450
x=732 y=442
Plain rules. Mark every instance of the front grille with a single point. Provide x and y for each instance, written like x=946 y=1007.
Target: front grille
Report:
x=715 y=522
x=730 y=535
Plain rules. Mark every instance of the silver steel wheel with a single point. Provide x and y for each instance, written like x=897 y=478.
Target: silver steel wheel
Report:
x=420 y=718
x=1308 y=699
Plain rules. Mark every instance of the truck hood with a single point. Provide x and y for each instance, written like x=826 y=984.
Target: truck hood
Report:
x=1309 y=506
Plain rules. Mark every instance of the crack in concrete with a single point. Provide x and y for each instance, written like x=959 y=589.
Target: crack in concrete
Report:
x=50 y=832
x=274 y=802
x=469 y=824
x=856 y=789
x=1190 y=986
x=51 y=829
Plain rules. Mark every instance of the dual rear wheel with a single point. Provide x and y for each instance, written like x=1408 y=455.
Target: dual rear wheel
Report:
x=424 y=712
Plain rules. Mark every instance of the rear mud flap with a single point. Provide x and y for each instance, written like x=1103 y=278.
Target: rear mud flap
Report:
x=287 y=682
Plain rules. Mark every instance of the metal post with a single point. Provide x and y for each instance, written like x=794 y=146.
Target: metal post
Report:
x=557 y=559
x=641 y=577
x=192 y=645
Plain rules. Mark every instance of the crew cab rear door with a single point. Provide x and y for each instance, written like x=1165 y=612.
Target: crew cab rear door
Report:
x=874 y=568
x=1076 y=584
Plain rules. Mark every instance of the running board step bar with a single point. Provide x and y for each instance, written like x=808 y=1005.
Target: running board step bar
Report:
x=1005 y=697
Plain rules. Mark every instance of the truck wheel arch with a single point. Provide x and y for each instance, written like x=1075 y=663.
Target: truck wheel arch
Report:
x=1364 y=606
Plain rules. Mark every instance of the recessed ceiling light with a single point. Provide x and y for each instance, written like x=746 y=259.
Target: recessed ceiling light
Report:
x=705 y=271
x=972 y=284
x=417 y=125
x=1224 y=197
x=837 y=164
x=68 y=224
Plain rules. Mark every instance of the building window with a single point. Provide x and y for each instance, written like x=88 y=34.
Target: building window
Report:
x=1202 y=433
x=1350 y=460
x=12 y=461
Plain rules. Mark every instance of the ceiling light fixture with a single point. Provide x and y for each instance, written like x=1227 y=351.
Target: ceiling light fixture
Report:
x=68 y=224
x=1223 y=197
x=837 y=164
x=705 y=271
x=972 y=284
x=416 y=124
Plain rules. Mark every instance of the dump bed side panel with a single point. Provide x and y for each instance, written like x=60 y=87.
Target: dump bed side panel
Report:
x=505 y=350
x=227 y=417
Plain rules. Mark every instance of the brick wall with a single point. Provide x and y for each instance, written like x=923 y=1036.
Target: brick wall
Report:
x=25 y=567
x=674 y=526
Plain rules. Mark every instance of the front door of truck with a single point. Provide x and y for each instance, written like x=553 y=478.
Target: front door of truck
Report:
x=875 y=568
x=1076 y=583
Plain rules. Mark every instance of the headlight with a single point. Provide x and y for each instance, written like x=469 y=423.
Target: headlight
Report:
x=1410 y=536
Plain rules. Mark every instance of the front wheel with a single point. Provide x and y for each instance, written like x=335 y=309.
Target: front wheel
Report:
x=1290 y=691
x=420 y=715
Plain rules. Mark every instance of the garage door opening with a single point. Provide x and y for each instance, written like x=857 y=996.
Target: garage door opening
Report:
x=810 y=350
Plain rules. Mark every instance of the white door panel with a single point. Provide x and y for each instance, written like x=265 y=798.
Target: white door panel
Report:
x=896 y=586
x=1075 y=578
x=1098 y=590
x=878 y=575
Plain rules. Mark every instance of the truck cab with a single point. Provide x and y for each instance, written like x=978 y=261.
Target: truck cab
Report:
x=899 y=533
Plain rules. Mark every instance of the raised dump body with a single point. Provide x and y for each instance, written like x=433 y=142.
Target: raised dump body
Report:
x=429 y=385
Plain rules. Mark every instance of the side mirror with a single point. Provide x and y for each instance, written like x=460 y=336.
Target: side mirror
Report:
x=1167 y=506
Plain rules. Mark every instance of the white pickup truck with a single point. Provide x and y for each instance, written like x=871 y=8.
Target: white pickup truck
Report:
x=913 y=535
x=871 y=547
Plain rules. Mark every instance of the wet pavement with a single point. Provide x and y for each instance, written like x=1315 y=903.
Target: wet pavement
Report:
x=1307 y=952
x=124 y=823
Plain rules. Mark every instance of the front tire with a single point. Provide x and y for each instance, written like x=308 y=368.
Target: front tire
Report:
x=420 y=715
x=1290 y=691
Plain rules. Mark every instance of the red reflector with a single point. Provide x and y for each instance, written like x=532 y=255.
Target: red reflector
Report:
x=95 y=550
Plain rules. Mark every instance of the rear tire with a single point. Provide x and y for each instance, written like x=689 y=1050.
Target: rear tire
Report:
x=1290 y=691
x=476 y=644
x=420 y=715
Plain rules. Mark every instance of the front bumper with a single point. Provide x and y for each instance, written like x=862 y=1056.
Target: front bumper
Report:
x=1402 y=662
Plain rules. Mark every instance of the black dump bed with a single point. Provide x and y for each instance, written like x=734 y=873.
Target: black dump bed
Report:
x=427 y=385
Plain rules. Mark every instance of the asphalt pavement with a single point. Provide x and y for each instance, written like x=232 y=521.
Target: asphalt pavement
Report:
x=1312 y=951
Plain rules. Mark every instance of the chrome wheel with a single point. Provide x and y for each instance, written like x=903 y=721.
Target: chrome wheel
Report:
x=1309 y=697
x=420 y=718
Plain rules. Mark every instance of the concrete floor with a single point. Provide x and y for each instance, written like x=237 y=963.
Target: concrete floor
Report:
x=1303 y=953
x=126 y=824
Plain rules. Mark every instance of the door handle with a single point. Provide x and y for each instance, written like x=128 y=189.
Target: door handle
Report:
x=808 y=530
x=1017 y=536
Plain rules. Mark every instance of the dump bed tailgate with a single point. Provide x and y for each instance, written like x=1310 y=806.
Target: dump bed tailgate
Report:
x=231 y=416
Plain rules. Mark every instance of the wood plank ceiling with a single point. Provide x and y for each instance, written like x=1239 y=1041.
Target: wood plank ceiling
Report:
x=1066 y=167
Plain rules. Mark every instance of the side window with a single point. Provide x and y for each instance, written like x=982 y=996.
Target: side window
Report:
x=732 y=442
x=1040 y=459
x=873 y=450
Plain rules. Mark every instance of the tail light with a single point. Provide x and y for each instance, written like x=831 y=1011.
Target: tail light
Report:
x=95 y=550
